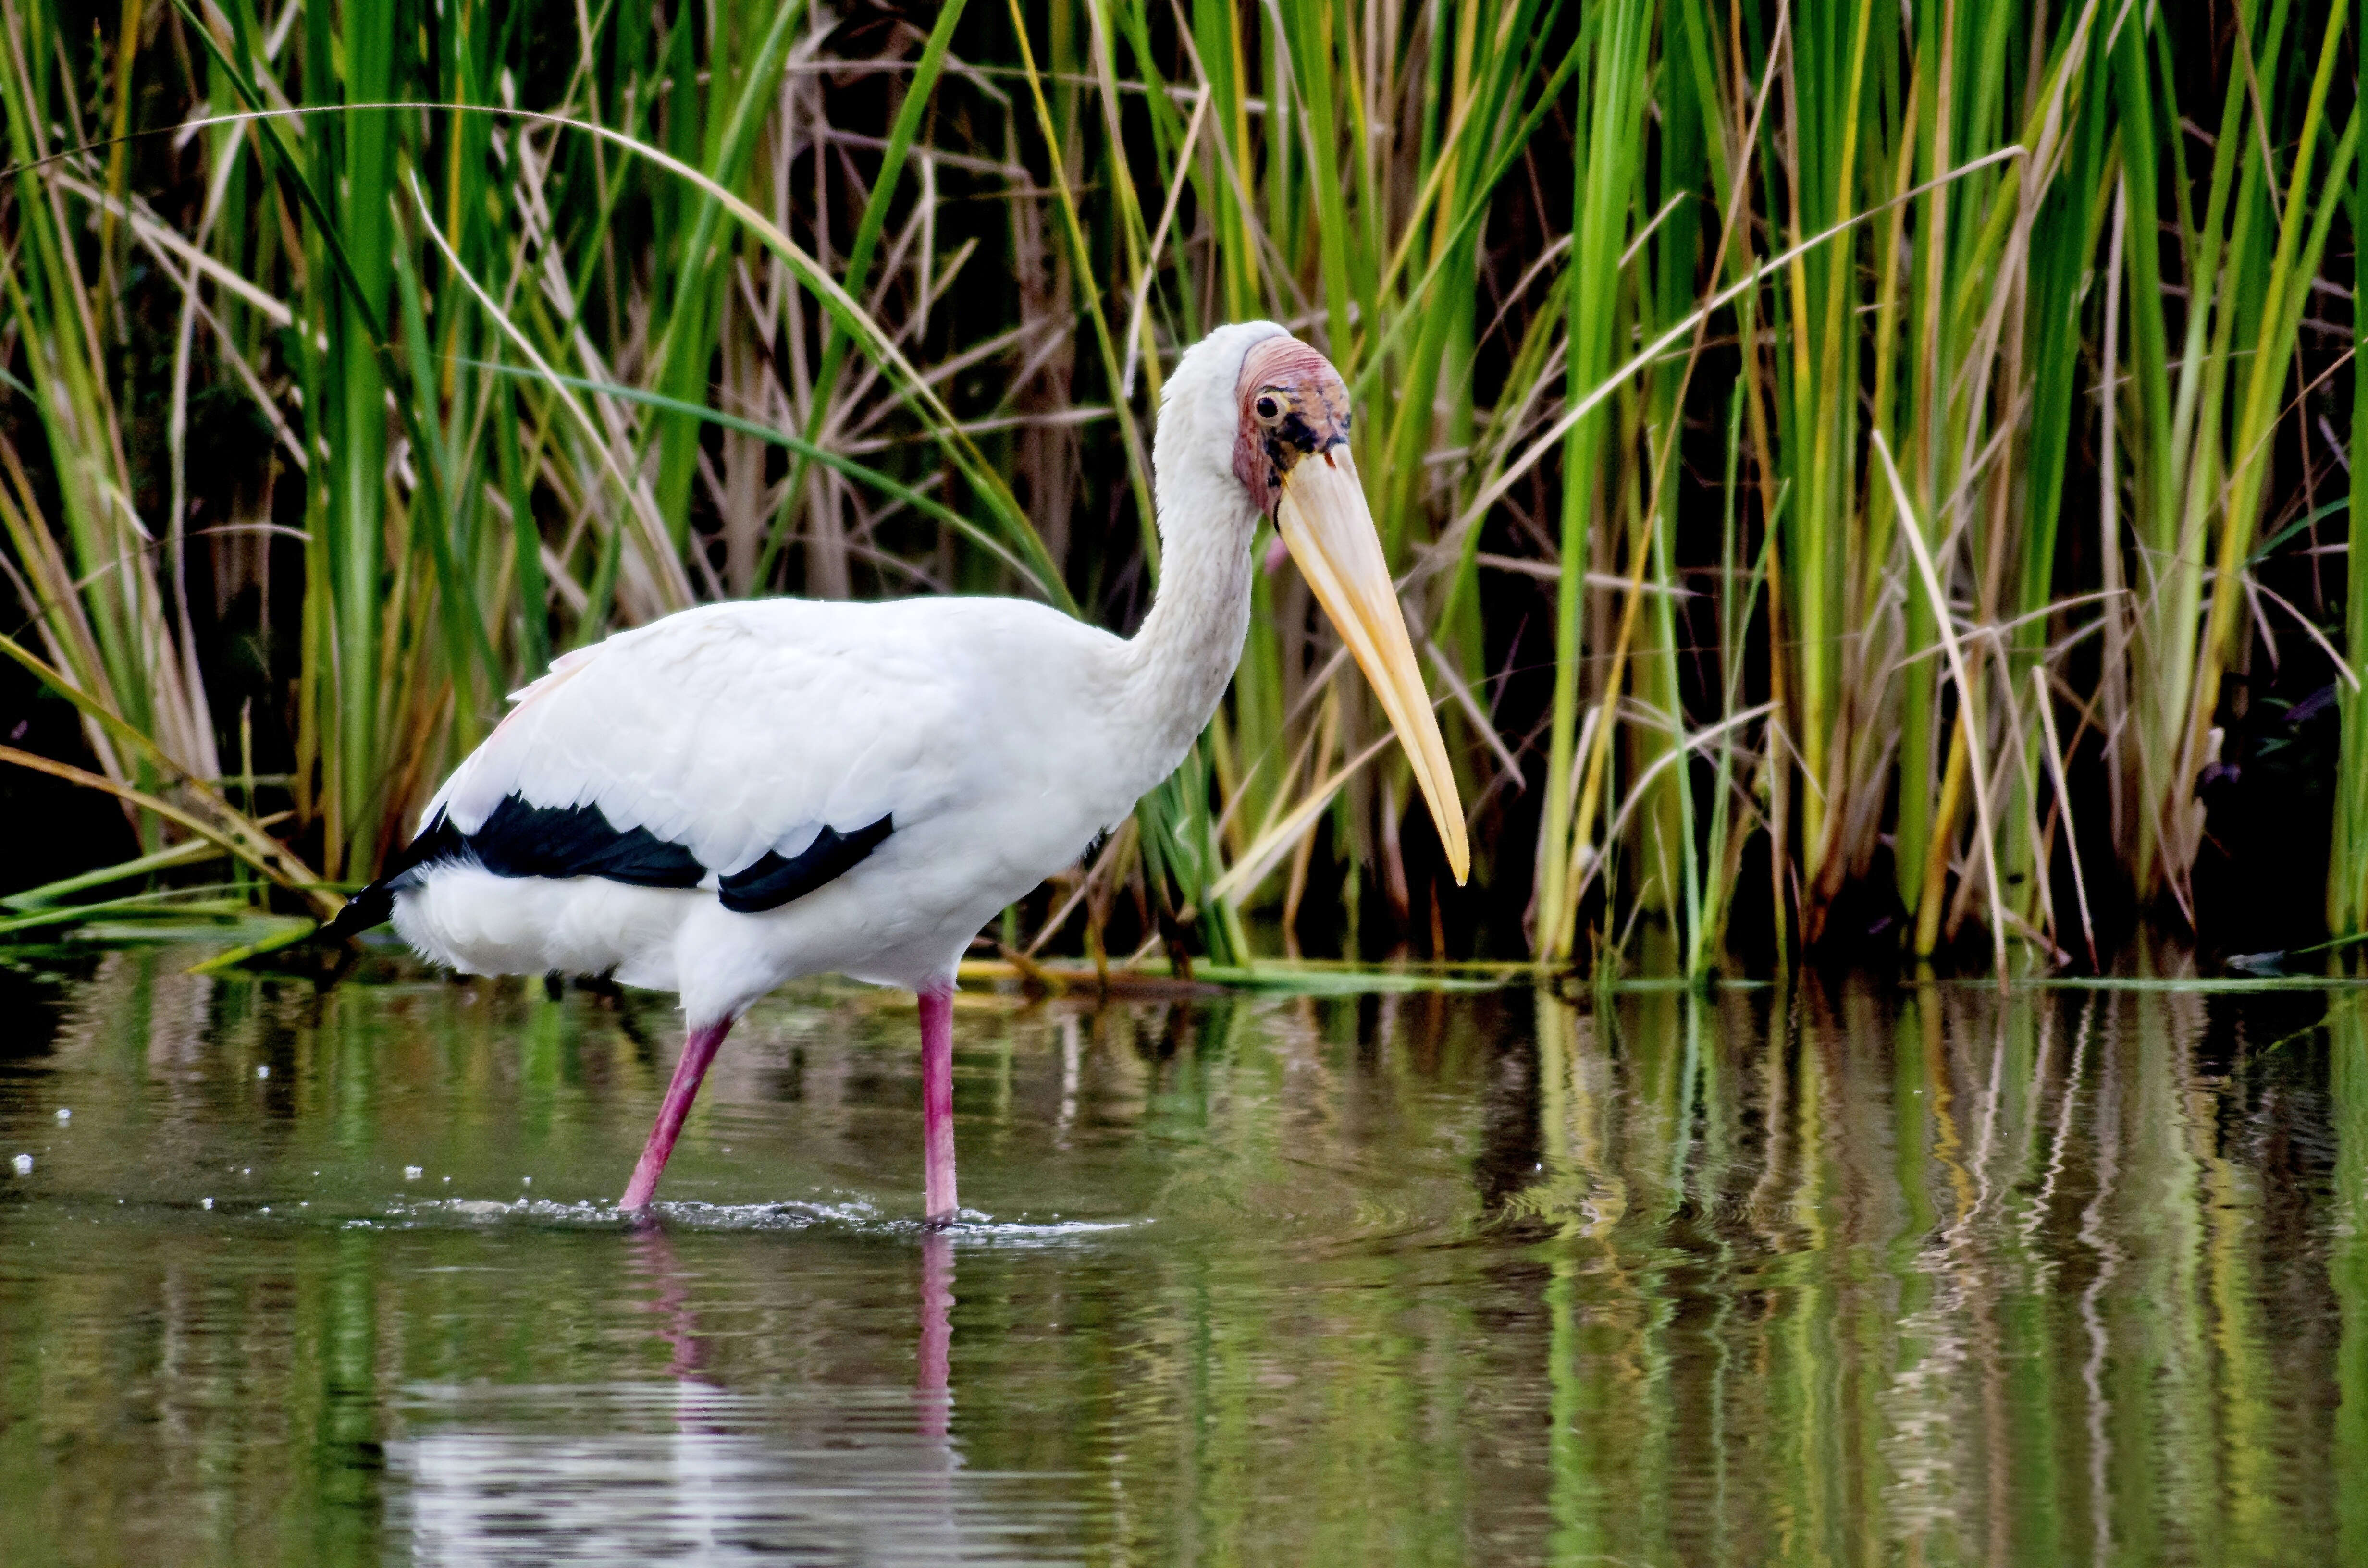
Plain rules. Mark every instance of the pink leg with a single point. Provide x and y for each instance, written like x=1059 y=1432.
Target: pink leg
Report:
x=698 y=1051
x=938 y=1204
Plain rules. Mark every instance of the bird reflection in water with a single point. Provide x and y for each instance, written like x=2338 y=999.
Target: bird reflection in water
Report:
x=932 y=1396
x=684 y=1467
x=677 y=1324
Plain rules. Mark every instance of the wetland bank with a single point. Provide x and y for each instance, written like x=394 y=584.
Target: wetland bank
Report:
x=1860 y=1273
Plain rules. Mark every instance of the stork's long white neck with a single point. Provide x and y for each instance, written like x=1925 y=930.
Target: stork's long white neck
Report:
x=1181 y=660
x=1177 y=666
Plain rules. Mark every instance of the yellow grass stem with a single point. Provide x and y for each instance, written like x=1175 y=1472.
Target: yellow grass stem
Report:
x=1946 y=621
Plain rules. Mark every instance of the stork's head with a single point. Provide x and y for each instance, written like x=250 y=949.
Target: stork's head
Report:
x=1294 y=407
x=1280 y=412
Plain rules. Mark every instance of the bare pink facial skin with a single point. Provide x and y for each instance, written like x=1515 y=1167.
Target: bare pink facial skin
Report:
x=1293 y=404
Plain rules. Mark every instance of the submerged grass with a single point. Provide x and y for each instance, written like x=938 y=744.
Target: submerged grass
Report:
x=1847 y=463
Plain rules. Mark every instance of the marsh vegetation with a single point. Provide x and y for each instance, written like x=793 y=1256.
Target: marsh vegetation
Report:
x=1864 y=474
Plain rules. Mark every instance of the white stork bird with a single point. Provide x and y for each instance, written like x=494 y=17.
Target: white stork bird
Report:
x=741 y=794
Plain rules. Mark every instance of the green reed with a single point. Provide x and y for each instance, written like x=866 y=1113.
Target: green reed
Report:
x=2347 y=879
x=1642 y=302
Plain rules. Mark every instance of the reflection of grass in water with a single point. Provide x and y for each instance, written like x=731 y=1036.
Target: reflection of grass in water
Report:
x=1811 y=1275
x=2347 y=1052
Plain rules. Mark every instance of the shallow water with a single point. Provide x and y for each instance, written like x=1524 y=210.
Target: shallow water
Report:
x=1835 y=1275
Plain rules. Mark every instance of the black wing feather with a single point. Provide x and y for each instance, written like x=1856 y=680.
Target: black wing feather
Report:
x=773 y=880
x=520 y=840
x=523 y=840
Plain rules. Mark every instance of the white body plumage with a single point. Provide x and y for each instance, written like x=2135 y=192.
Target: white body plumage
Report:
x=999 y=736
x=983 y=728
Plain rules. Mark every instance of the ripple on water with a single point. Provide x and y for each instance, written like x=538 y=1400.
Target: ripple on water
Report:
x=854 y=1217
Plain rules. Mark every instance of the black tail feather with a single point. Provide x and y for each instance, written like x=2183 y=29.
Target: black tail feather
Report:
x=374 y=906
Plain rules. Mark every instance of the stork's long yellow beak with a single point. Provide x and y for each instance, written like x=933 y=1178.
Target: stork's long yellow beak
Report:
x=1329 y=531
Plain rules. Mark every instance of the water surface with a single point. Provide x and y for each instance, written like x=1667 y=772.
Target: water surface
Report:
x=1833 y=1274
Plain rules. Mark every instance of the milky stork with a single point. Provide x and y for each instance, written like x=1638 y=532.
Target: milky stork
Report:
x=742 y=794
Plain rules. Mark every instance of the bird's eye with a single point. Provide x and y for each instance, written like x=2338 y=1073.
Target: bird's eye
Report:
x=1267 y=406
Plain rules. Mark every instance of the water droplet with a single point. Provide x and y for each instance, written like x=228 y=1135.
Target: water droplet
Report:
x=263 y=1070
x=24 y=1165
x=205 y=1202
x=413 y=1173
x=66 y=1113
